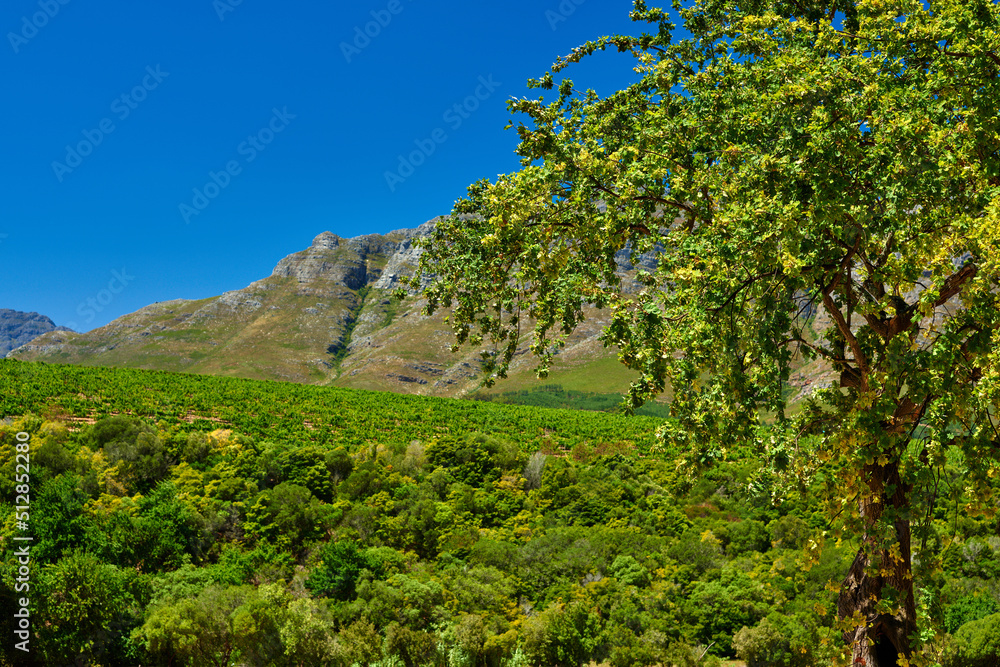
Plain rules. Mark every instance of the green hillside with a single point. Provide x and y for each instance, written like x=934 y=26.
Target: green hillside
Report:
x=219 y=521
x=321 y=415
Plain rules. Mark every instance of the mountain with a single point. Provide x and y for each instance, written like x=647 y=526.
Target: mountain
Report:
x=17 y=328
x=326 y=316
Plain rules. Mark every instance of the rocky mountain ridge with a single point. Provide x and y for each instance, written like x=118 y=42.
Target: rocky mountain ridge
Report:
x=325 y=315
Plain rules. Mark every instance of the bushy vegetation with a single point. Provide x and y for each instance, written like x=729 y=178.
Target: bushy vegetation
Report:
x=555 y=396
x=172 y=541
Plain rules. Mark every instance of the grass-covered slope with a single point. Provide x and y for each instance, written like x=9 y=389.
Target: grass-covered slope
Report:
x=218 y=521
x=557 y=396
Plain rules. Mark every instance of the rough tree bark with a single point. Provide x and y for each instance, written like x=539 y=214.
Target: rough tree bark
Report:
x=881 y=565
x=885 y=637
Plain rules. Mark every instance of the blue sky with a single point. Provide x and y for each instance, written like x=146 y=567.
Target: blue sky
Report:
x=117 y=114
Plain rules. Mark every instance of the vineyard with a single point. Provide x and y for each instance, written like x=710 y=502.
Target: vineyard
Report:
x=276 y=410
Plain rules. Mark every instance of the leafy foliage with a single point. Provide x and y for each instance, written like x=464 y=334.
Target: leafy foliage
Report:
x=819 y=181
x=341 y=567
x=438 y=551
x=977 y=643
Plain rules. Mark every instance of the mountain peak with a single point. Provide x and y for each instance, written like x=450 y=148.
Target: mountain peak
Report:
x=326 y=241
x=18 y=328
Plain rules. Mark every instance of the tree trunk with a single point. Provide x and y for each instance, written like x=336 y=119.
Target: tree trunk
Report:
x=885 y=637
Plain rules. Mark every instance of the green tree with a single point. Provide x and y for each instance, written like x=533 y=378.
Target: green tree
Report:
x=197 y=630
x=817 y=178
x=969 y=608
x=257 y=626
x=789 y=640
x=341 y=567
x=89 y=609
x=977 y=643
x=138 y=451
x=59 y=521
x=289 y=514
x=162 y=534
x=307 y=634
x=360 y=643
x=561 y=635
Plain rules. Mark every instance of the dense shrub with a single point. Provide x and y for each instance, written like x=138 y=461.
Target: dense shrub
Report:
x=747 y=536
x=562 y=635
x=338 y=572
x=970 y=608
x=778 y=641
x=977 y=644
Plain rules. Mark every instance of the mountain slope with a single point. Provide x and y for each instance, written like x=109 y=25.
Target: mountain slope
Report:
x=325 y=315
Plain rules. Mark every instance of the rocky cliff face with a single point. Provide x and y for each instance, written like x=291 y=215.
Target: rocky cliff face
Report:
x=333 y=262
x=17 y=328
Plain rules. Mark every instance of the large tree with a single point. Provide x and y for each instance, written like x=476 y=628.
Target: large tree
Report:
x=820 y=178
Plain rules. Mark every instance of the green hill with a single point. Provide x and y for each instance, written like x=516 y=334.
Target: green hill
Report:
x=267 y=409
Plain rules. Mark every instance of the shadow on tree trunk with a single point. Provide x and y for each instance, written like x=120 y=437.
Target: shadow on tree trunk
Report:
x=884 y=637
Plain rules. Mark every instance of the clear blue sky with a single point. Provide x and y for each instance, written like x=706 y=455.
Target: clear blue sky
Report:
x=190 y=87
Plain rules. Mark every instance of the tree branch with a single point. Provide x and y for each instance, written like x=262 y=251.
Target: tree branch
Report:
x=746 y=283
x=962 y=54
x=843 y=327
x=953 y=284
